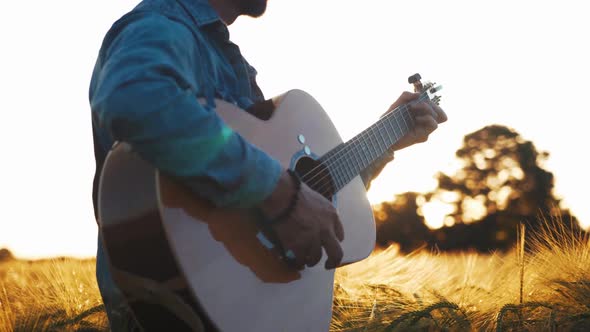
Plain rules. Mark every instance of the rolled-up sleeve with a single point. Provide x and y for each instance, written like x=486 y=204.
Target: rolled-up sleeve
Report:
x=146 y=94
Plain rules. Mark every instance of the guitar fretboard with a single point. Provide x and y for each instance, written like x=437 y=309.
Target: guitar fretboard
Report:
x=349 y=159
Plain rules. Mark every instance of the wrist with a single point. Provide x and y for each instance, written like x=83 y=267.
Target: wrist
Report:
x=288 y=211
x=285 y=213
x=279 y=198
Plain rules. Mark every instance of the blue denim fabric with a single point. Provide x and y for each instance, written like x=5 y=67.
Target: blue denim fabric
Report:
x=152 y=66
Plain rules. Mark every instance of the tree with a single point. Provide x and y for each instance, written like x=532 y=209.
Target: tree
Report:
x=398 y=222
x=5 y=255
x=501 y=183
x=501 y=172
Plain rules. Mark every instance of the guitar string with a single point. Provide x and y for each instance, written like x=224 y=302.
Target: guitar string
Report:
x=345 y=152
x=326 y=188
x=349 y=144
x=353 y=149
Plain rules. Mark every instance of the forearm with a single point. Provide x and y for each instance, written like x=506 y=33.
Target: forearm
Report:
x=371 y=172
x=145 y=95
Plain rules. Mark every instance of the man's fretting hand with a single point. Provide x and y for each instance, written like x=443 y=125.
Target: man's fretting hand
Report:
x=313 y=224
x=427 y=117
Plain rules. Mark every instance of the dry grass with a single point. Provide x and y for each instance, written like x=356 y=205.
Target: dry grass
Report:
x=545 y=289
x=49 y=296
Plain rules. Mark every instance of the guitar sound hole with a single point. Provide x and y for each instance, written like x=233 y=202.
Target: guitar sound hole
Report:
x=316 y=176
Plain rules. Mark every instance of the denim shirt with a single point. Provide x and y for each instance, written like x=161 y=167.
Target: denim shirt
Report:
x=153 y=65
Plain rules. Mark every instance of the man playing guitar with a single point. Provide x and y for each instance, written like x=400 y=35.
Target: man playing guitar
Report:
x=158 y=70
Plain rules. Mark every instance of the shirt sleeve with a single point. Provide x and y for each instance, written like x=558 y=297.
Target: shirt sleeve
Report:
x=146 y=94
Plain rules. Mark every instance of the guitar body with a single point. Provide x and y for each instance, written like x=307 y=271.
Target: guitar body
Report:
x=212 y=258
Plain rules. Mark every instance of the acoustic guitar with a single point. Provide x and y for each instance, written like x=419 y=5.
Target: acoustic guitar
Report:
x=176 y=257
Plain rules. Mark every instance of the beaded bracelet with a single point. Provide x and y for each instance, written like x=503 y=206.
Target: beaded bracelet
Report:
x=286 y=213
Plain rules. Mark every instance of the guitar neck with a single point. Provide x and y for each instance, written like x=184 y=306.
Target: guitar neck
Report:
x=349 y=159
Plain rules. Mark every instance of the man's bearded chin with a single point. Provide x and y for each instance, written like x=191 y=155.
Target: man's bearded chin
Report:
x=254 y=8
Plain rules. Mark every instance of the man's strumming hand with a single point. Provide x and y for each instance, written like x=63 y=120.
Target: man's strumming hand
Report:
x=311 y=225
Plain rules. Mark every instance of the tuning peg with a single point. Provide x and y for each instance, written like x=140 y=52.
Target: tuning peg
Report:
x=415 y=81
x=436 y=100
x=435 y=89
x=414 y=78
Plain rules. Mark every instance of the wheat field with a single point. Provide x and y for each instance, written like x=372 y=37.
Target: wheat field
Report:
x=543 y=288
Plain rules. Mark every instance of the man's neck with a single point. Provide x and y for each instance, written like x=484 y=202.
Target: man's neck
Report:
x=227 y=10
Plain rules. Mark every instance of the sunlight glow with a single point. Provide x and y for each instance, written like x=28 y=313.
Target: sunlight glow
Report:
x=473 y=208
x=435 y=213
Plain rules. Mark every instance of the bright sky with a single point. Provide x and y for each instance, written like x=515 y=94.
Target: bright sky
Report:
x=519 y=63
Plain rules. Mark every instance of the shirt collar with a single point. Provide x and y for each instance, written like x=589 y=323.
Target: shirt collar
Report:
x=201 y=11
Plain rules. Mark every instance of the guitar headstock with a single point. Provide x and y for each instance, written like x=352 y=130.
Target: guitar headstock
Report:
x=428 y=88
